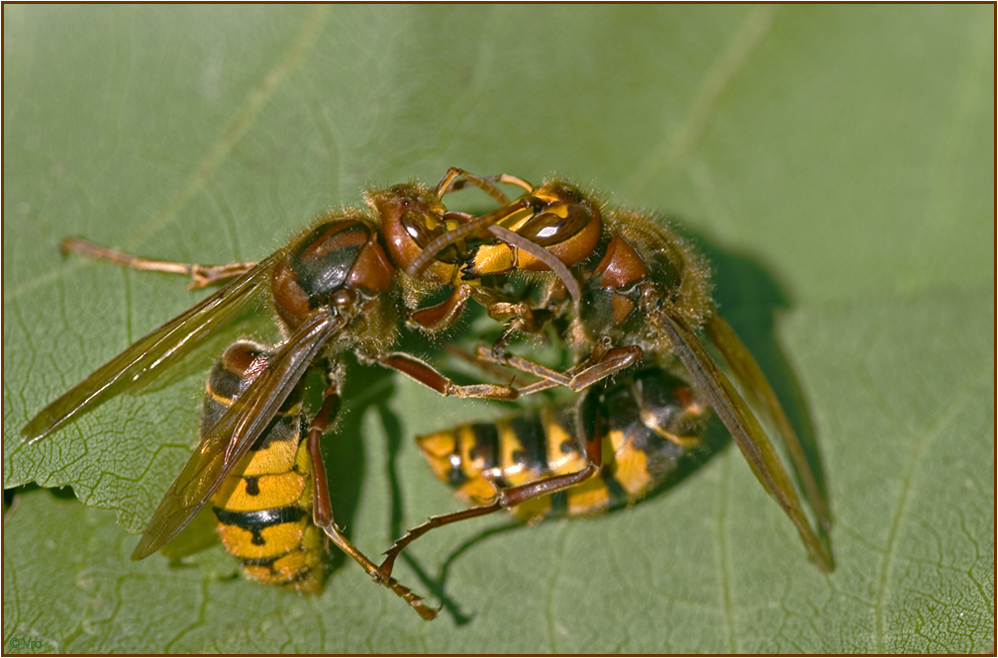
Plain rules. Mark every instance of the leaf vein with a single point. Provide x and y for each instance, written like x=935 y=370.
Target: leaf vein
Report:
x=718 y=80
x=239 y=125
x=724 y=556
x=958 y=400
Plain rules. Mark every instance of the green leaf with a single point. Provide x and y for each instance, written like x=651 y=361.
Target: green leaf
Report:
x=836 y=162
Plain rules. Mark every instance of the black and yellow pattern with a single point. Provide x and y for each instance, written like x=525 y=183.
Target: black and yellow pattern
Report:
x=264 y=508
x=651 y=423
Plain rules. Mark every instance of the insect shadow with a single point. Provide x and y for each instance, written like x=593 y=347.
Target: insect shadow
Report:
x=751 y=298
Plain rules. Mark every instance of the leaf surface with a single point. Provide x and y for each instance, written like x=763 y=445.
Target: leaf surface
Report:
x=835 y=162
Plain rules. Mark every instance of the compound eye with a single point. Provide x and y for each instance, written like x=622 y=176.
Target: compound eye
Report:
x=343 y=297
x=423 y=228
x=559 y=223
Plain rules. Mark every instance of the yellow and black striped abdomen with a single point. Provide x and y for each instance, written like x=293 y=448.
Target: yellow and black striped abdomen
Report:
x=650 y=423
x=264 y=508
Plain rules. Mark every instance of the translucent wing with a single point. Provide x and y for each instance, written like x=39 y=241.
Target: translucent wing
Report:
x=227 y=441
x=141 y=362
x=744 y=428
x=747 y=371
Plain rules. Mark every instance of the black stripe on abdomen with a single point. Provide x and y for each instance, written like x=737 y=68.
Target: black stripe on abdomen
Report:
x=256 y=522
